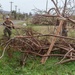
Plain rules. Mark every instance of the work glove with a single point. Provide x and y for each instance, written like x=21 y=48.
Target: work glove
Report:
x=13 y=27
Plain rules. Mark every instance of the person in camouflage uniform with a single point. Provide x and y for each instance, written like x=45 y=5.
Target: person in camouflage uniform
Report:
x=8 y=26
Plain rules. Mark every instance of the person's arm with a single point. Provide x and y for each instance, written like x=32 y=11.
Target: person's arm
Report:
x=4 y=24
x=12 y=25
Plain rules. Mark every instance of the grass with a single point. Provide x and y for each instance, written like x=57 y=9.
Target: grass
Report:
x=33 y=67
x=72 y=33
x=50 y=30
x=11 y=66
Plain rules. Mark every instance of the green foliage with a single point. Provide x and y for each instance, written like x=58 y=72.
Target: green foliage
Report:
x=11 y=66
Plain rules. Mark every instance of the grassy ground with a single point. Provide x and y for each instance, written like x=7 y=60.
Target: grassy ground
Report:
x=33 y=67
x=11 y=66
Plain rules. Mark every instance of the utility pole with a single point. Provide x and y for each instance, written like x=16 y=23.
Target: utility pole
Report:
x=1 y=12
x=11 y=6
x=15 y=11
x=0 y=5
x=46 y=5
x=19 y=13
x=16 y=8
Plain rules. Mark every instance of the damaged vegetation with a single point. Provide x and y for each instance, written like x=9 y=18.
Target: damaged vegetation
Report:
x=58 y=42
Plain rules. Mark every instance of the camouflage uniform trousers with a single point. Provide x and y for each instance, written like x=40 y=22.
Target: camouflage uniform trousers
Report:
x=7 y=32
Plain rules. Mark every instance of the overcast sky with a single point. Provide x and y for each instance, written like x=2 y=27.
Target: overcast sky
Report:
x=25 y=5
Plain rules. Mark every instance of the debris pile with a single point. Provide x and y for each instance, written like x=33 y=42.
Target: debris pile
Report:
x=32 y=43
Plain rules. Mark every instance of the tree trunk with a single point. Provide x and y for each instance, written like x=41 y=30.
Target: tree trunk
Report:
x=64 y=29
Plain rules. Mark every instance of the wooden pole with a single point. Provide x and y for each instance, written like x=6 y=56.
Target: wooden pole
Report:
x=53 y=42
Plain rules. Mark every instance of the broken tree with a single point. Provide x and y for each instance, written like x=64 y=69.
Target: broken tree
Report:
x=62 y=24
